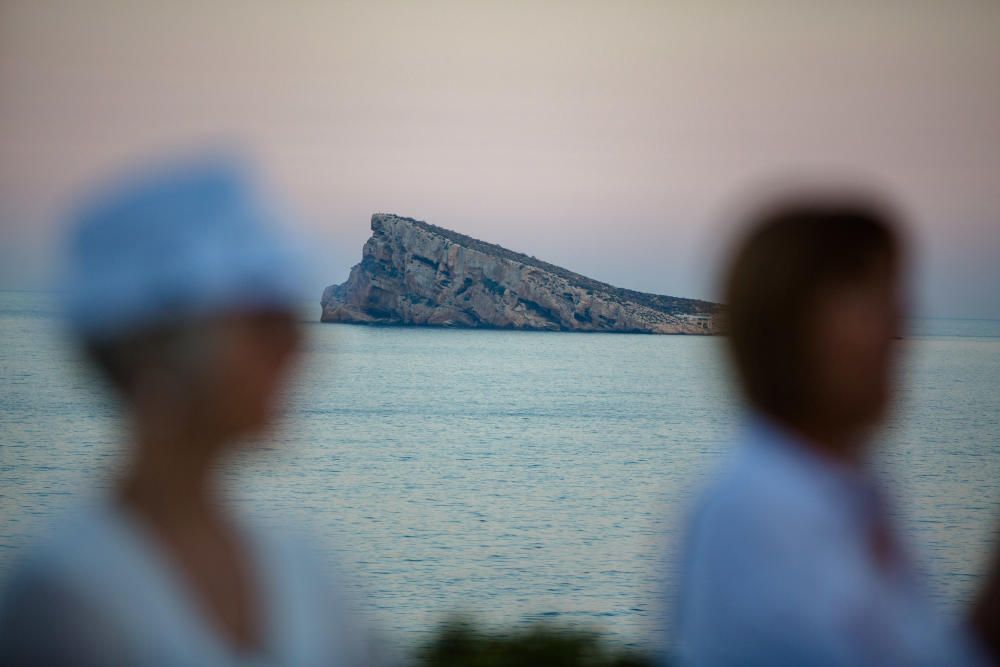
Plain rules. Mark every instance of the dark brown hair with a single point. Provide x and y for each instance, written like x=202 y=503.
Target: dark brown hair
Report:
x=792 y=252
x=177 y=348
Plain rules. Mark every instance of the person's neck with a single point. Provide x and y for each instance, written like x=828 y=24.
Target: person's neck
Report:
x=170 y=481
x=839 y=446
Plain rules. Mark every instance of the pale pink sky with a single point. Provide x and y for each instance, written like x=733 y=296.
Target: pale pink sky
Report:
x=613 y=138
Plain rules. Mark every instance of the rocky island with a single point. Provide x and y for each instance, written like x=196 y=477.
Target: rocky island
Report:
x=415 y=273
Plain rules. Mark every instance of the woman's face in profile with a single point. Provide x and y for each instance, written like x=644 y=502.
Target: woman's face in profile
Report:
x=254 y=354
x=854 y=331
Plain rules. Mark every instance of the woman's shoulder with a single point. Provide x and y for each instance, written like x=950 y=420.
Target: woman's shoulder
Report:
x=58 y=602
x=80 y=543
x=310 y=598
x=770 y=497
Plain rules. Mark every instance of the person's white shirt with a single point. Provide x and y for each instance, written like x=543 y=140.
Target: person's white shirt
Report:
x=98 y=591
x=778 y=569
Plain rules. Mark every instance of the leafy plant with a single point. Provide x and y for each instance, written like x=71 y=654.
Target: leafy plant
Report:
x=460 y=642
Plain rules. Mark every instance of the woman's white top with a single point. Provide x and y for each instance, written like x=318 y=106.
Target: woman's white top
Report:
x=98 y=591
x=778 y=569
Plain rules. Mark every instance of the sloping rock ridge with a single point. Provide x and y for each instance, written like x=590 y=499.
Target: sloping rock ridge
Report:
x=415 y=273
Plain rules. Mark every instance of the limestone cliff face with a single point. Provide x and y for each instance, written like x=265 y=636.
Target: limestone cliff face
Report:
x=415 y=273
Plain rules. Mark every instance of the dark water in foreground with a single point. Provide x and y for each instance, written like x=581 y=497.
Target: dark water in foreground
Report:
x=511 y=475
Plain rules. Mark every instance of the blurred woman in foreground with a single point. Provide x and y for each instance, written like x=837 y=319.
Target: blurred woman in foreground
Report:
x=791 y=557
x=183 y=294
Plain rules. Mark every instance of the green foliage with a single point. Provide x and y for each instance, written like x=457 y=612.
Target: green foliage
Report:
x=460 y=643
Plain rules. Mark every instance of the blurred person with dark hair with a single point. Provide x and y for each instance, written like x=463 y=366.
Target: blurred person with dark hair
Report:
x=791 y=557
x=183 y=291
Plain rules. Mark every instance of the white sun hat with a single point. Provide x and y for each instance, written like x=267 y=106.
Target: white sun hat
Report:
x=182 y=240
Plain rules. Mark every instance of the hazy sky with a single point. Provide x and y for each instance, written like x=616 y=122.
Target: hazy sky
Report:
x=616 y=139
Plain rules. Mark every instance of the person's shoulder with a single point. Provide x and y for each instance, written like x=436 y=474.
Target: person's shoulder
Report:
x=765 y=542
x=752 y=484
x=762 y=498
x=286 y=542
x=51 y=609
x=773 y=470
x=293 y=555
x=74 y=546
x=312 y=596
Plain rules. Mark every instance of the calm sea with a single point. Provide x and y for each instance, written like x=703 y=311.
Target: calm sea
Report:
x=510 y=475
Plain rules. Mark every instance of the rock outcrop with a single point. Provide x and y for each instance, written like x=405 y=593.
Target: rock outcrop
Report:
x=415 y=273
